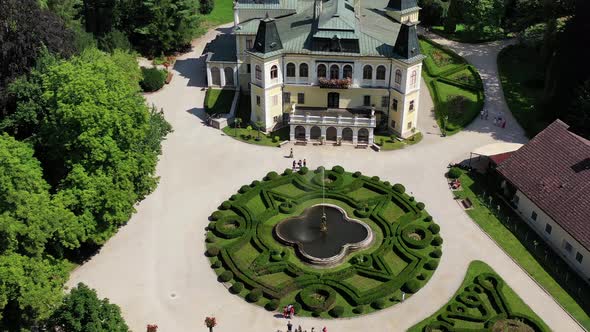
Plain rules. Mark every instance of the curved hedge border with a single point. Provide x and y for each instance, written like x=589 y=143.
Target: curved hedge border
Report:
x=248 y=210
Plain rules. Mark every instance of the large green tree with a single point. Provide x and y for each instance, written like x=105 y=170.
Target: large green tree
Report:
x=481 y=14
x=159 y=26
x=83 y=311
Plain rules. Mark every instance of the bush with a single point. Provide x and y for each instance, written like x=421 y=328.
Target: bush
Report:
x=225 y=205
x=254 y=183
x=420 y=206
x=338 y=169
x=153 y=79
x=233 y=197
x=357 y=174
x=436 y=253
x=216 y=264
x=375 y=178
x=434 y=228
x=215 y=215
x=288 y=171
x=379 y=304
x=337 y=311
x=272 y=176
x=211 y=226
x=210 y=238
x=303 y=170
x=276 y=139
x=431 y=265
x=236 y=287
x=226 y=276
x=411 y=198
x=398 y=187
x=320 y=170
x=297 y=306
x=254 y=295
x=244 y=188
x=272 y=305
x=206 y=6
x=454 y=173
x=437 y=241
x=412 y=286
x=359 y=309
x=428 y=219
x=212 y=251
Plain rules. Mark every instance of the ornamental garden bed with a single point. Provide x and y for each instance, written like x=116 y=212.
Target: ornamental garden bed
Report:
x=242 y=244
x=484 y=302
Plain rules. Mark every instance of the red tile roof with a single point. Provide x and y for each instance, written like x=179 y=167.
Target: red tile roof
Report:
x=553 y=171
x=499 y=158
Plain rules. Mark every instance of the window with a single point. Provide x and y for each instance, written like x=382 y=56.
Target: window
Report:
x=567 y=246
x=413 y=79
x=381 y=73
x=410 y=125
x=515 y=200
x=258 y=100
x=303 y=70
x=393 y=124
x=248 y=68
x=579 y=257
x=248 y=43
x=395 y=104
x=367 y=72
x=411 y=106
x=334 y=72
x=275 y=100
x=321 y=71
x=274 y=72
x=367 y=101
x=347 y=71
x=548 y=228
x=290 y=70
x=286 y=97
x=534 y=215
x=301 y=98
x=398 y=76
x=384 y=101
x=258 y=73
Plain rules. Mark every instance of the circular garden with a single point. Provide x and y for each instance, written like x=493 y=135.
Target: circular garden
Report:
x=254 y=264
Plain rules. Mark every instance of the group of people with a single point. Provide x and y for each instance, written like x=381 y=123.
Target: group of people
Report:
x=499 y=121
x=289 y=311
x=299 y=164
x=299 y=329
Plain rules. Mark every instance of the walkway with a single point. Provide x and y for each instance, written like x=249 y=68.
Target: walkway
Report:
x=154 y=267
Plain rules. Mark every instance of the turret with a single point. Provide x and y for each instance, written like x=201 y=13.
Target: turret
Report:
x=267 y=37
x=406 y=44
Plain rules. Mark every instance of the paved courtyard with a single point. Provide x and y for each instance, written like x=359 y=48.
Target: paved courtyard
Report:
x=155 y=269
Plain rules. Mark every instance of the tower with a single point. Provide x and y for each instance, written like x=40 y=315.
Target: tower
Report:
x=403 y=11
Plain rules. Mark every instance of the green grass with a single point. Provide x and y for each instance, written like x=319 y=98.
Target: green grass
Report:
x=522 y=83
x=386 y=144
x=463 y=35
x=516 y=304
x=218 y=101
x=222 y=13
x=242 y=134
x=455 y=86
x=516 y=249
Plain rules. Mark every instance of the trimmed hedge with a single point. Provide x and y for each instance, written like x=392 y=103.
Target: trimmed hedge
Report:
x=338 y=169
x=431 y=265
x=412 y=286
x=337 y=311
x=254 y=295
x=434 y=228
x=436 y=253
x=437 y=241
x=212 y=251
x=153 y=79
x=399 y=188
x=272 y=305
x=379 y=304
x=308 y=301
x=217 y=264
x=237 y=287
x=454 y=173
x=226 y=276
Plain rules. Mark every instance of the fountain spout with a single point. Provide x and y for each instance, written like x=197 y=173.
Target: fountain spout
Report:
x=324 y=223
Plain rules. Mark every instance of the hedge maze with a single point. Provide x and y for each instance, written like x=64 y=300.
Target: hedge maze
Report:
x=253 y=264
x=483 y=303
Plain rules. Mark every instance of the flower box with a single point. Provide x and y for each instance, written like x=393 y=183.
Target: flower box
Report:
x=335 y=83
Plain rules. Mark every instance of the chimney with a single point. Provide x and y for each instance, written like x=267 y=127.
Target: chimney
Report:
x=317 y=11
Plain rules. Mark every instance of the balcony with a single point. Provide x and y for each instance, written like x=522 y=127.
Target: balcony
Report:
x=344 y=83
x=330 y=116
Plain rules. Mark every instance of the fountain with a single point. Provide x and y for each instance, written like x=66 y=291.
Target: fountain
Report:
x=324 y=234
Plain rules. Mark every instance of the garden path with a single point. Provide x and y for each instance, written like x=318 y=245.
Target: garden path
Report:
x=154 y=267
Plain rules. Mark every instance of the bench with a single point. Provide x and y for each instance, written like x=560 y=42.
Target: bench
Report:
x=467 y=204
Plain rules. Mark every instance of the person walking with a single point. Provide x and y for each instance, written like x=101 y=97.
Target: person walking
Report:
x=504 y=124
x=294 y=164
x=325 y=329
x=481 y=114
x=299 y=163
x=304 y=163
x=291 y=154
x=289 y=327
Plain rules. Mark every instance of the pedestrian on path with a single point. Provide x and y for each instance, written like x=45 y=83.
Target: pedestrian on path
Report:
x=504 y=124
x=304 y=163
x=299 y=163
x=289 y=327
x=294 y=164
x=325 y=329
x=487 y=113
x=481 y=114
x=291 y=154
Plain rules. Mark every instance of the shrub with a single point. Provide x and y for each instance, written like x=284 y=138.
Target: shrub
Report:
x=212 y=251
x=387 y=183
x=211 y=226
x=375 y=178
x=303 y=170
x=454 y=173
x=288 y=171
x=237 y=287
x=359 y=309
x=297 y=306
x=357 y=174
x=210 y=238
x=337 y=311
x=215 y=215
x=272 y=305
x=225 y=205
x=254 y=295
x=420 y=206
x=244 y=188
x=320 y=169
x=436 y=253
x=317 y=313
x=431 y=265
x=233 y=197
x=276 y=139
x=437 y=241
x=206 y=6
x=272 y=176
x=379 y=304
x=428 y=219
x=254 y=183
x=226 y=276
x=153 y=79
x=398 y=187
x=412 y=286
x=216 y=264
x=411 y=198
x=338 y=169
x=434 y=228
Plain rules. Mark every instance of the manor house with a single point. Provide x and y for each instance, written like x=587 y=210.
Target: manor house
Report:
x=330 y=69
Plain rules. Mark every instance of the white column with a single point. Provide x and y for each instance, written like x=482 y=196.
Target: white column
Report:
x=338 y=132
x=209 y=79
x=236 y=76
x=355 y=135
x=370 y=135
x=307 y=133
x=222 y=75
x=292 y=133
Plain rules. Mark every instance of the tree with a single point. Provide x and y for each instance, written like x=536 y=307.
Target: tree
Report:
x=30 y=28
x=237 y=123
x=259 y=127
x=481 y=14
x=83 y=311
x=30 y=289
x=98 y=16
x=579 y=113
x=159 y=26
x=432 y=12
x=30 y=221
x=454 y=16
x=206 y=6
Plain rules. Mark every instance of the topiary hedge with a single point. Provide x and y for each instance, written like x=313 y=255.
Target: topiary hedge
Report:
x=308 y=298
x=212 y=251
x=153 y=79
x=254 y=295
x=379 y=304
x=399 y=188
x=237 y=287
x=434 y=228
x=226 y=276
x=454 y=173
x=412 y=286
x=337 y=311
x=272 y=305
x=437 y=241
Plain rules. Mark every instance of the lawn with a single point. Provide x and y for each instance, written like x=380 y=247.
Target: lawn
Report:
x=522 y=83
x=253 y=136
x=511 y=244
x=387 y=144
x=464 y=35
x=222 y=13
x=218 y=101
x=470 y=309
x=455 y=86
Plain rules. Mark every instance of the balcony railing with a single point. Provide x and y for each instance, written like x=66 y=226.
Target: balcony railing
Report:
x=338 y=120
x=335 y=83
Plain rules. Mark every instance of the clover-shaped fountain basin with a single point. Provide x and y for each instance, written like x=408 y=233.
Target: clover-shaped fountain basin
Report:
x=329 y=247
